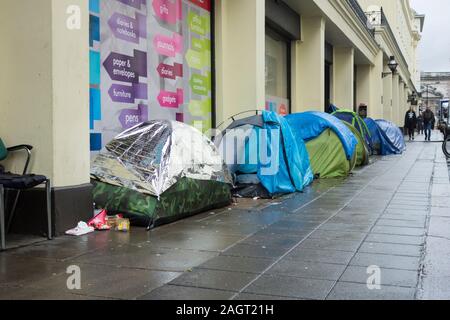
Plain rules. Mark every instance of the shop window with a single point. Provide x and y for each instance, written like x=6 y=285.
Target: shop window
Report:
x=277 y=72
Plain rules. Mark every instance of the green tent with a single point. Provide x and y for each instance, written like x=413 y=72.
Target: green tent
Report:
x=327 y=156
x=158 y=172
x=358 y=123
x=362 y=152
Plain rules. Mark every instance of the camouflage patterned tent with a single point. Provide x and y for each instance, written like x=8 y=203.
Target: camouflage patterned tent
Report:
x=158 y=172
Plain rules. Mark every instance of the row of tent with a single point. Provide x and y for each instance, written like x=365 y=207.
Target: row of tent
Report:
x=162 y=171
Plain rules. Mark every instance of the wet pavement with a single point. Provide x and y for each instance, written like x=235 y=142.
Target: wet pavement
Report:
x=392 y=216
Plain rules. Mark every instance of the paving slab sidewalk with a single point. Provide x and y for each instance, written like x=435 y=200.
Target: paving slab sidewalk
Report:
x=391 y=216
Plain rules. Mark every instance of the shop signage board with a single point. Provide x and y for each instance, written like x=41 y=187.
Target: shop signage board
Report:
x=150 y=59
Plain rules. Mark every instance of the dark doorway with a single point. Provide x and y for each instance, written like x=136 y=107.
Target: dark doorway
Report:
x=328 y=67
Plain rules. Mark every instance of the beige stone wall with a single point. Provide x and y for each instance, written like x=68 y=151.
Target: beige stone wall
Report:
x=44 y=97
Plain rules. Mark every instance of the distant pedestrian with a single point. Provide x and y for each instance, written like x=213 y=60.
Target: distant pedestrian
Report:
x=428 y=122
x=420 y=124
x=410 y=122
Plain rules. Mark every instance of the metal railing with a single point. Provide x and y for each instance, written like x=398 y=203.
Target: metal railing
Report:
x=379 y=19
x=354 y=4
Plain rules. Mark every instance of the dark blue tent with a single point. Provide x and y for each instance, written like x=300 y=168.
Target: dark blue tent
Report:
x=332 y=109
x=393 y=134
x=381 y=144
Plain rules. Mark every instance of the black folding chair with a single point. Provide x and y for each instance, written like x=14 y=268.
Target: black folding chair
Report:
x=11 y=181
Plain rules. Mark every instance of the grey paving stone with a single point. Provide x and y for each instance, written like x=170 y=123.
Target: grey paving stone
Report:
x=361 y=220
x=215 y=279
x=440 y=212
x=324 y=256
x=407 y=212
x=271 y=232
x=401 y=223
x=172 y=292
x=109 y=282
x=439 y=227
x=195 y=228
x=338 y=235
x=239 y=264
x=304 y=269
x=387 y=238
x=405 y=217
x=60 y=249
x=245 y=250
x=260 y=297
x=147 y=257
x=201 y=241
x=390 y=277
x=295 y=225
x=399 y=231
x=286 y=242
x=344 y=227
x=355 y=291
x=391 y=249
x=412 y=201
x=17 y=270
x=291 y=287
x=385 y=261
x=441 y=202
x=413 y=209
x=330 y=244
x=435 y=288
x=23 y=293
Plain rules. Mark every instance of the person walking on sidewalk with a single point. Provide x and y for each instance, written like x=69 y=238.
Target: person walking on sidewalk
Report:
x=410 y=122
x=420 y=124
x=428 y=122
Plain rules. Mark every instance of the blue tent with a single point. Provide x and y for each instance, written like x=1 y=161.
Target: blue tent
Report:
x=331 y=145
x=393 y=135
x=381 y=144
x=309 y=125
x=263 y=150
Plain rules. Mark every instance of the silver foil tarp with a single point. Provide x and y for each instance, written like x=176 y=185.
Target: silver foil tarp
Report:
x=151 y=157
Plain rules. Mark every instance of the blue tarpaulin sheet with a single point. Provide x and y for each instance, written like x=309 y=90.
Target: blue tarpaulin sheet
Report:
x=285 y=168
x=310 y=125
x=381 y=143
x=393 y=134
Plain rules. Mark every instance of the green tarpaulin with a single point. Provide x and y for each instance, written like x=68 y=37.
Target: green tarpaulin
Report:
x=362 y=152
x=187 y=197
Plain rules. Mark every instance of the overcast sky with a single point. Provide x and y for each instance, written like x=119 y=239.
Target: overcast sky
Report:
x=434 y=49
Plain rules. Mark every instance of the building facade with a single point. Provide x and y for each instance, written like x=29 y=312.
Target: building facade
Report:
x=435 y=87
x=78 y=71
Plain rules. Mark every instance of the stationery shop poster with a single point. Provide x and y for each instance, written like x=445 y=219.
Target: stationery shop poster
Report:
x=150 y=59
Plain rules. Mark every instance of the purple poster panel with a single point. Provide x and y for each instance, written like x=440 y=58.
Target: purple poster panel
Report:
x=154 y=62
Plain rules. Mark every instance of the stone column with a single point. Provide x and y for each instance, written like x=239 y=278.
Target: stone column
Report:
x=240 y=56
x=308 y=67
x=395 y=100
x=387 y=95
x=45 y=102
x=343 y=76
